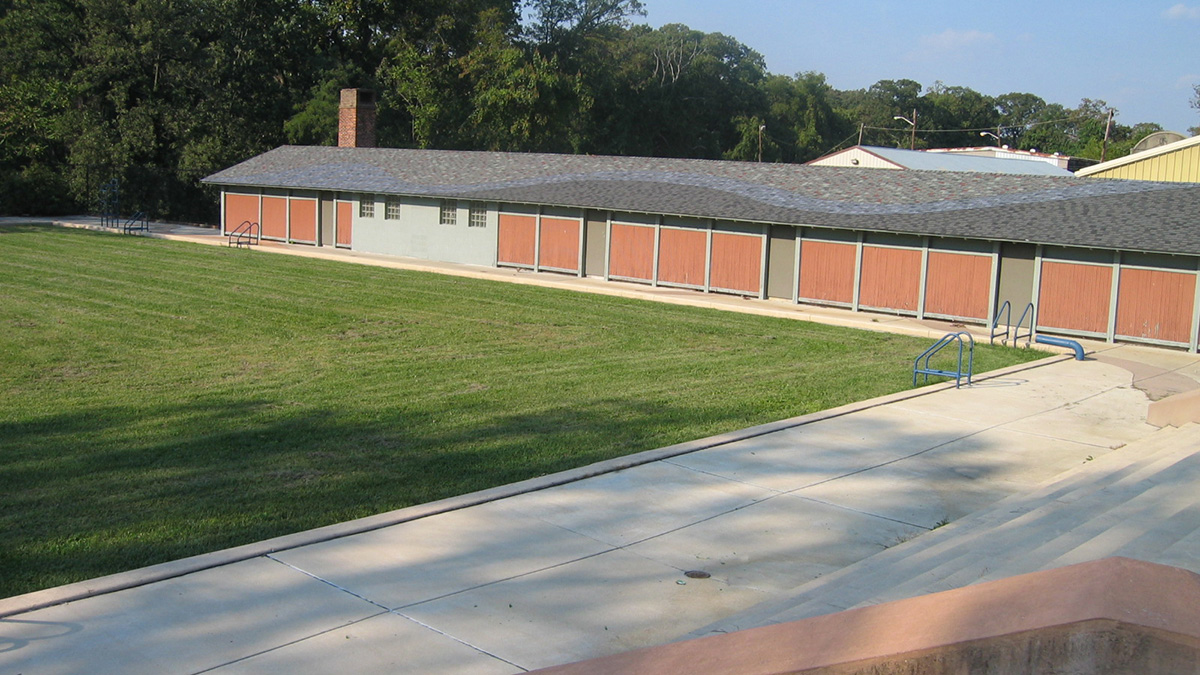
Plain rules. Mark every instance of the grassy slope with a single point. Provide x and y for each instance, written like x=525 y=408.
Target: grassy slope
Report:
x=159 y=400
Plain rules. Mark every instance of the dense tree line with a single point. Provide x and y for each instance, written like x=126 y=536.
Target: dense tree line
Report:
x=159 y=93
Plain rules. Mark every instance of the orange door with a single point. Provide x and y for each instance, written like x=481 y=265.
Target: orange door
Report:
x=345 y=223
x=957 y=285
x=736 y=262
x=239 y=209
x=681 y=255
x=827 y=271
x=559 y=245
x=631 y=252
x=891 y=278
x=1155 y=304
x=1074 y=296
x=517 y=239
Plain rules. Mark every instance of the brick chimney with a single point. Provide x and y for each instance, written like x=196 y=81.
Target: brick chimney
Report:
x=356 y=119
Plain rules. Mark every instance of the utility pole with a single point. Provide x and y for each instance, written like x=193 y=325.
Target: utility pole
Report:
x=860 y=130
x=1107 y=129
x=912 y=140
x=761 y=129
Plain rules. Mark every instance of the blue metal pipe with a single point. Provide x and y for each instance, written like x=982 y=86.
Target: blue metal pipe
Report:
x=1061 y=342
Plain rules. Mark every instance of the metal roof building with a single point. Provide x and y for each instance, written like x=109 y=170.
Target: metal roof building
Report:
x=869 y=157
x=1178 y=162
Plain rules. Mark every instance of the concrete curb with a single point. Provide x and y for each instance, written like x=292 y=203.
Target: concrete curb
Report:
x=133 y=578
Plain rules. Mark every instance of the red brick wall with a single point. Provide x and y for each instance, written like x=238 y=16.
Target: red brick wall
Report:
x=356 y=120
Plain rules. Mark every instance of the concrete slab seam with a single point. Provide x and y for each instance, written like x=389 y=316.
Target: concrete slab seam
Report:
x=289 y=643
x=909 y=456
x=327 y=582
x=860 y=512
x=522 y=575
x=443 y=633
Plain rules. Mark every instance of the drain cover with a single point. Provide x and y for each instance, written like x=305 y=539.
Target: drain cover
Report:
x=696 y=574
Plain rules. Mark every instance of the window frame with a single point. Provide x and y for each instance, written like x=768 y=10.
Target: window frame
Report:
x=391 y=209
x=448 y=212
x=477 y=215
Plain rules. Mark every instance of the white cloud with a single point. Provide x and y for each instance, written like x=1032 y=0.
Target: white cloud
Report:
x=951 y=40
x=1182 y=11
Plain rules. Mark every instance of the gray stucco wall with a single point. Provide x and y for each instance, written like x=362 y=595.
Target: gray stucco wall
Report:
x=417 y=232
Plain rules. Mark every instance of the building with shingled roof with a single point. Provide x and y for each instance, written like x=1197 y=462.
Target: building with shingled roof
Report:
x=1115 y=260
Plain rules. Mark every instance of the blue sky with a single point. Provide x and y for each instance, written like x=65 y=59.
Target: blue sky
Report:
x=1141 y=56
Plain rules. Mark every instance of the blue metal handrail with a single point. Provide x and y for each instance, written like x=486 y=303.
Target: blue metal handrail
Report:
x=110 y=203
x=137 y=222
x=1062 y=342
x=962 y=337
x=1012 y=332
x=245 y=235
x=1021 y=321
x=1005 y=311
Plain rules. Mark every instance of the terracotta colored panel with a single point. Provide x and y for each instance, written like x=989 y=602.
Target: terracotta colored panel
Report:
x=304 y=219
x=560 y=244
x=1075 y=297
x=518 y=238
x=736 y=262
x=1156 y=304
x=957 y=285
x=345 y=223
x=239 y=209
x=891 y=278
x=631 y=253
x=274 y=217
x=827 y=271
x=681 y=256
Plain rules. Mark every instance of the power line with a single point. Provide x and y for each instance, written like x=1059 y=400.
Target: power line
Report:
x=996 y=128
x=839 y=144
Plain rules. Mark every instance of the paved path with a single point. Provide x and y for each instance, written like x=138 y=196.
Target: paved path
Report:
x=598 y=565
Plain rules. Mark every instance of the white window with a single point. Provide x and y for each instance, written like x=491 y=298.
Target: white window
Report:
x=391 y=211
x=449 y=215
x=366 y=207
x=478 y=216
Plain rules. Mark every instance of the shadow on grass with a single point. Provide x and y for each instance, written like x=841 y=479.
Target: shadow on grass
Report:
x=95 y=491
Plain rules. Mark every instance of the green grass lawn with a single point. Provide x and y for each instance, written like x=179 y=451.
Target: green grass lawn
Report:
x=159 y=399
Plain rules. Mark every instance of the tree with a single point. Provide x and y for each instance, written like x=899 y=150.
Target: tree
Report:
x=801 y=116
x=424 y=98
x=1195 y=103
x=946 y=109
x=754 y=144
x=521 y=101
x=878 y=105
x=563 y=26
x=36 y=96
x=1018 y=111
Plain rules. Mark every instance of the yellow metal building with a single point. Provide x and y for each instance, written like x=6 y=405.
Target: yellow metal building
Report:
x=1177 y=162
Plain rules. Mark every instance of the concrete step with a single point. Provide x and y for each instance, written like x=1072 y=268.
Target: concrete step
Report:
x=1096 y=519
x=1135 y=499
x=1134 y=518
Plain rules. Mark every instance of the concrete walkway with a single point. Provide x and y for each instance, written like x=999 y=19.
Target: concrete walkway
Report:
x=558 y=569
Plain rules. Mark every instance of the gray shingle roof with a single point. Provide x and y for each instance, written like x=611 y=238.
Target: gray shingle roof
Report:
x=1129 y=215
